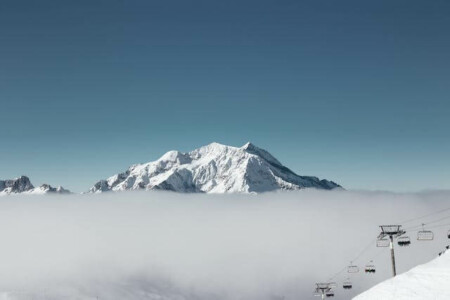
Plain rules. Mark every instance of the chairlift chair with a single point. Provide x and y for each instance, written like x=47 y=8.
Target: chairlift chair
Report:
x=329 y=293
x=352 y=268
x=425 y=235
x=383 y=242
x=448 y=234
x=370 y=268
x=347 y=285
x=404 y=241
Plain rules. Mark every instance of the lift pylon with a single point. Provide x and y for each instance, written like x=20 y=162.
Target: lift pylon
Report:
x=391 y=231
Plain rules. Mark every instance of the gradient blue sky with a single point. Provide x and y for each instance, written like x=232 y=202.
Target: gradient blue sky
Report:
x=352 y=91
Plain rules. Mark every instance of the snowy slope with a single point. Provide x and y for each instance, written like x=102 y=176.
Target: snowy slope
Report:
x=428 y=281
x=214 y=168
x=22 y=185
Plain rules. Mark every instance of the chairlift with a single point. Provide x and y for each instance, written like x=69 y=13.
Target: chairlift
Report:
x=383 y=242
x=448 y=234
x=370 y=268
x=347 y=285
x=425 y=235
x=352 y=268
x=404 y=241
x=329 y=293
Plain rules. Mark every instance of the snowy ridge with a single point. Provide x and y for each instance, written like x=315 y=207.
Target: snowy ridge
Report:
x=214 y=168
x=22 y=185
x=427 y=281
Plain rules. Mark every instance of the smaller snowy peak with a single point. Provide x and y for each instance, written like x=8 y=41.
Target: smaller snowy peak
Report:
x=22 y=185
x=176 y=157
x=48 y=189
x=100 y=186
x=16 y=185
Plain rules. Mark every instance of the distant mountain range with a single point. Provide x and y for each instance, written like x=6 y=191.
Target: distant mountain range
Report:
x=22 y=185
x=214 y=168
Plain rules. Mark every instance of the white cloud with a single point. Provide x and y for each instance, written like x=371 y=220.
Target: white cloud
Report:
x=189 y=246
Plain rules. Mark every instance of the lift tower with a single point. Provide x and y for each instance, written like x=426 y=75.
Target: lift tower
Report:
x=391 y=231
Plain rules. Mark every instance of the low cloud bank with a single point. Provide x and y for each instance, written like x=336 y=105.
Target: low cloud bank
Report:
x=157 y=245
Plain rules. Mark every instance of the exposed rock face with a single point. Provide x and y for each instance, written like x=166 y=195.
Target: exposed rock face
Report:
x=214 y=168
x=17 y=185
x=22 y=185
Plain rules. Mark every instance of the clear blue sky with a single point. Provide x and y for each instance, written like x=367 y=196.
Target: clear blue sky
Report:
x=352 y=91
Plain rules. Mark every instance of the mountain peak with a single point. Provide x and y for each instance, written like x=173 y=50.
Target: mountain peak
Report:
x=252 y=149
x=23 y=184
x=248 y=145
x=16 y=185
x=214 y=168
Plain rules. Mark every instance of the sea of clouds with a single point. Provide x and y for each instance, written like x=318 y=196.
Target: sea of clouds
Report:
x=158 y=245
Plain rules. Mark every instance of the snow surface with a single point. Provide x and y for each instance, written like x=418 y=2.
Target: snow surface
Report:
x=427 y=281
x=214 y=168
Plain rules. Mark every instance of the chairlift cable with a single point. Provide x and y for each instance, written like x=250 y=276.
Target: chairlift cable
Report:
x=424 y=216
x=378 y=254
x=356 y=258
x=338 y=273
x=431 y=227
x=365 y=249
x=431 y=222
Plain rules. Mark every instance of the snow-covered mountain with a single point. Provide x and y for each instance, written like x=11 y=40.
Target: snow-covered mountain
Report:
x=214 y=168
x=22 y=185
x=428 y=281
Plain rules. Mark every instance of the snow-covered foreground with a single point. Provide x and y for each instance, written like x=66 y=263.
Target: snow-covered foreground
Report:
x=157 y=245
x=427 y=281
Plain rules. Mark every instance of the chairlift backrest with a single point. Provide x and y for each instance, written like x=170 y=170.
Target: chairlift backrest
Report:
x=404 y=241
x=383 y=242
x=370 y=267
x=352 y=269
x=329 y=294
x=425 y=235
x=347 y=285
